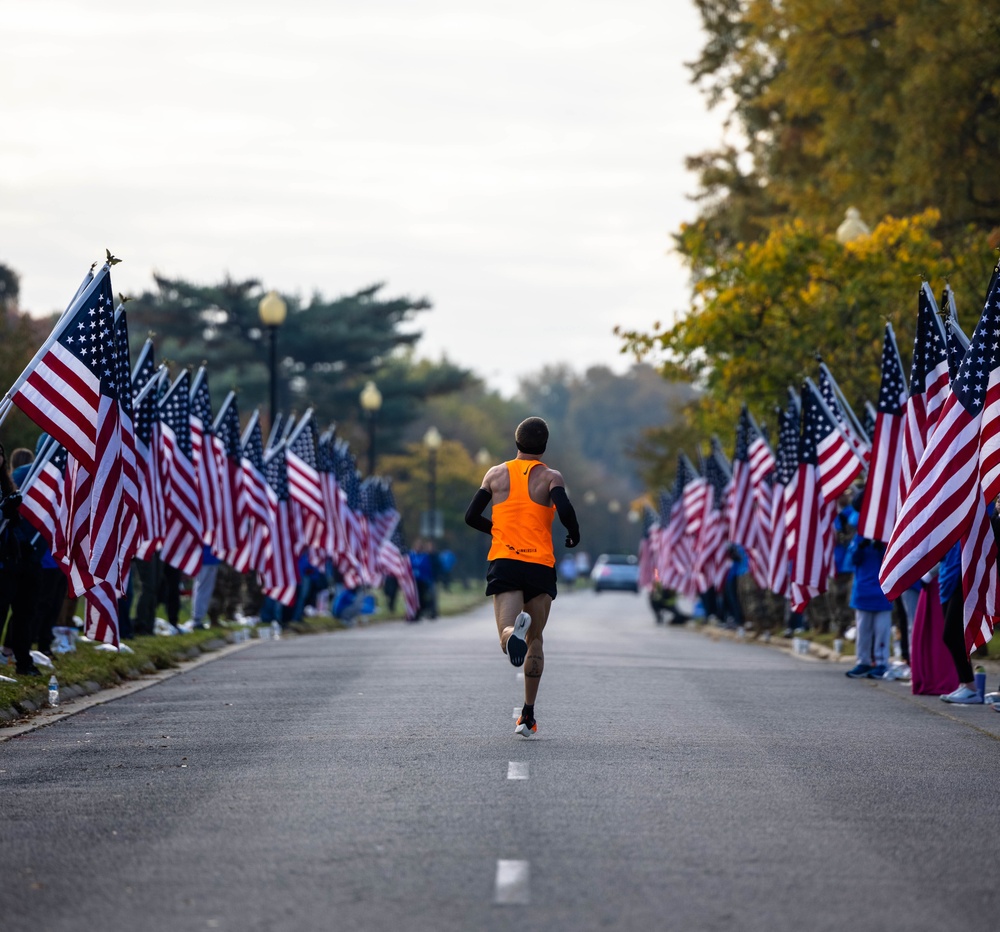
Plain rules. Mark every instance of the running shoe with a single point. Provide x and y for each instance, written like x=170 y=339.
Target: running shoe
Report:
x=963 y=696
x=525 y=726
x=517 y=643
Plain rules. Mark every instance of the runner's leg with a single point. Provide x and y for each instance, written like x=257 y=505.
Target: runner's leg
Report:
x=534 y=662
x=506 y=607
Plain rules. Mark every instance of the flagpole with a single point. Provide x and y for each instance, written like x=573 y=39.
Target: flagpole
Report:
x=274 y=431
x=154 y=380
x=895 y=346
x=222 y=412
x=852 y=417
x=720 y=458
x=86 y=289
x=760 y=433
x=254 y=418
x=840 y=427
x=870 y=409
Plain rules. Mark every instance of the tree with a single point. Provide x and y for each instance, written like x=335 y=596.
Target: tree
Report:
x=767 y=310
x=327 y=348
x=893 y=107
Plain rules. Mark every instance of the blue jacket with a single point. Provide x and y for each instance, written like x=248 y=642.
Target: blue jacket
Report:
x=846 y=519
x=866 y=592
x=950 y=572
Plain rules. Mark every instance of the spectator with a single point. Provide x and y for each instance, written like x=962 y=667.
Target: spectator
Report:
x=567 y=570
x=446 y=565
x=16 y=583
x=422 y=561
x=873 y=611
x=44 y=576
x=149 y=574
x=953 y=599
x=731 y=605
x=204 y=586
x=845 y=526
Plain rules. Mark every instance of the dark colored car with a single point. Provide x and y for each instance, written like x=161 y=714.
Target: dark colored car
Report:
x=616 y=571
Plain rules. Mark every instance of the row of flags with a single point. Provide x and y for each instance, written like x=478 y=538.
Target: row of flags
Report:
x=928 y=455
x=134 y=464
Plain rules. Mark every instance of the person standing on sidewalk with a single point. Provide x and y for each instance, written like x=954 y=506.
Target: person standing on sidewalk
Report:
x=521 y=574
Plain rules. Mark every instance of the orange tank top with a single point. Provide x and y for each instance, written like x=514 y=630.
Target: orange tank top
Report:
x=522 y=529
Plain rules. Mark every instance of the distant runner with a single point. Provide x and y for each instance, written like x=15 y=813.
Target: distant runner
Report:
x=521 y=575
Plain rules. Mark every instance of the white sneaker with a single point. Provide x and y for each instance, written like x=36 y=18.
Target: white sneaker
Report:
x=517 y=643
x=963 y=696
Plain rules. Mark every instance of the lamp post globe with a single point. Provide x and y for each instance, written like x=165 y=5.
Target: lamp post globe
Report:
x=272 y=310
x=853 y=227
x=371 y=404
x=432 y=440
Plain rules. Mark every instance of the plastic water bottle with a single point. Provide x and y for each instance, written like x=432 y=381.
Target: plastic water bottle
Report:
x=275 y=631
x=53 y=691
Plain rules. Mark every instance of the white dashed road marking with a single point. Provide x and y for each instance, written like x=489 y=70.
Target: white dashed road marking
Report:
x=517 y=712
x=517 y=770
x=512 y=883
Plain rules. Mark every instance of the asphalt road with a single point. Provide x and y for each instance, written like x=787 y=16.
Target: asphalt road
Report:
x=370 y=779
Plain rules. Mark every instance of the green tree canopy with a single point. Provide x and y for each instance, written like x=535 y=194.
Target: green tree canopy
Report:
x=769 y=308
x=891 y=106
x=327 y=348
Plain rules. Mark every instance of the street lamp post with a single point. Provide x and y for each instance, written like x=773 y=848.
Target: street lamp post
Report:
x=614 y=507
x=272 y=310
x=371 y=402
x=432 y=440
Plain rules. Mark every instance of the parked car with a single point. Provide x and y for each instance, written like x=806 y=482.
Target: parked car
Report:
x=616 y=571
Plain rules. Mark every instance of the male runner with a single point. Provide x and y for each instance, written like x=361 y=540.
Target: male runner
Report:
x=521 y=575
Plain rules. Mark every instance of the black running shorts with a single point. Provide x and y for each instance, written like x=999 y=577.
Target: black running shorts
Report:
x=530 y=579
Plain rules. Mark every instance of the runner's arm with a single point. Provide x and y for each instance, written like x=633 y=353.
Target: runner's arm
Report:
x=474 y=513
x=566 y=514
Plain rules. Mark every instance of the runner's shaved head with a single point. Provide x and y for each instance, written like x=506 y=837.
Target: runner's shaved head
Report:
x=531 y=436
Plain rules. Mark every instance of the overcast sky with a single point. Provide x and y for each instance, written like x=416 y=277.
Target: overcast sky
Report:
x=519 y=164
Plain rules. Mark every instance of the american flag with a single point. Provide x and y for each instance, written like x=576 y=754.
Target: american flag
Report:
x=742 y=526
x=152 y=520
x=679 y=544
x=333 y=498
x=256 y=521
x=958 y=343
x=226 y=450
x=810 y=531
x=129 y=515
x=711 y=562
x=182 y=544
x=281 y=570
x=68 y=382
x=880 y=506
x=350 y=558
x=305 y=487
x=203 y=459
x=846 y=419
x=647 y=562
x=947 y=498
x=838 y=464
x=786 y=469
x=42 y=495
x=87 y=537
x=394 y=561
x=695 y=492
x=928 y=381
x=100 y=621
x=762 y=464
